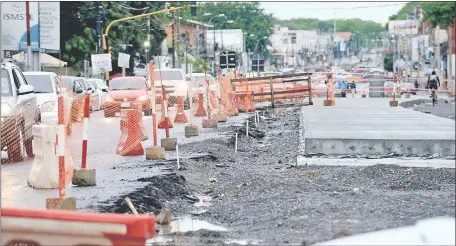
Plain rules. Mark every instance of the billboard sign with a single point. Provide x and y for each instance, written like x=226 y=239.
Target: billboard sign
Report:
x=49 y=27
x=403 y=27
x=13 y=24
x=44 y=26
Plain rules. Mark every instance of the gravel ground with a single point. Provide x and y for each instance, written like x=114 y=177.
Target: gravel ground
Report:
x=260 y=195
x=444 y=108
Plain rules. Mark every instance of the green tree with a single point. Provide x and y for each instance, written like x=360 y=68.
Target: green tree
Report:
x=439 y=13
x=388 y=62
x=78 y=35
x=247 y=16
x=199 y=65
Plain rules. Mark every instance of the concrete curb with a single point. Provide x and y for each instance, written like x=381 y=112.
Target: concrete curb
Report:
x=412 y=103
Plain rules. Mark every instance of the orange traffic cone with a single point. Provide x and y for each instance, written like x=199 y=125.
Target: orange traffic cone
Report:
x=181 y=117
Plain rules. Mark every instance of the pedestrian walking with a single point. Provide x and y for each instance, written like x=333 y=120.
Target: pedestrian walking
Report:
x=353 y=88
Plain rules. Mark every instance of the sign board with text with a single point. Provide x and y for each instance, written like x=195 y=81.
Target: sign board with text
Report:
x=49 y=24
x=13 y=24
x=101 y=63
x=403 y=27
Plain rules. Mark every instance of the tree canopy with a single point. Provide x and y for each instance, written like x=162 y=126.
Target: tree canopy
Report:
x=437 y=13
x=78 y=30
x=247 y=16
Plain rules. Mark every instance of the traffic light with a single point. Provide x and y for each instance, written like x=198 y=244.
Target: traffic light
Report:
x=193 y=9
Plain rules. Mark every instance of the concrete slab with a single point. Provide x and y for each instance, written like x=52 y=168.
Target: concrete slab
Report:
x=370 y=126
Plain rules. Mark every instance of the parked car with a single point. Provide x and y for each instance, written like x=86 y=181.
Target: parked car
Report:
x=19 y=112
x=174 y=81
x=408 y=87
x=75 y=84
x=389 y=88
x=75 y=90
x=101 y=87
x=95 y=95
x=123 y=92
x=199 y=83
x=343 y=75
x=47 y=88
x=362 y=68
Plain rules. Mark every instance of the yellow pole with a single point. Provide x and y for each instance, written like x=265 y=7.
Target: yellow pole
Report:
x=171 y=9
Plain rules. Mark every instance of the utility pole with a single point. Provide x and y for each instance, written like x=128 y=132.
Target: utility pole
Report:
x=29 y=46
x=99 y=48
x=178 y=39
x=450 y=60
x=173 y=39
x=437 y=44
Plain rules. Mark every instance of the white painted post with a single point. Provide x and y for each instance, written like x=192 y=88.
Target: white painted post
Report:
x=236 y=143
x=177 y=153
x=247 y=128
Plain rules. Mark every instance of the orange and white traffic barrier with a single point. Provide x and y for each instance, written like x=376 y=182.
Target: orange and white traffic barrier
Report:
x=181 y=116
x=54 y=227
x=130 y=140
x=64 y=174
x=85 y=176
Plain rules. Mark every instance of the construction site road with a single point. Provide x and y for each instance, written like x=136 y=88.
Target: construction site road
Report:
x=259 y=195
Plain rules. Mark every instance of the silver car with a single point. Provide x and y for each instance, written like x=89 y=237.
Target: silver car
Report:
x=19 y=112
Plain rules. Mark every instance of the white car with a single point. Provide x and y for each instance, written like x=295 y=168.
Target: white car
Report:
x=99 y=92
x=174 y=81
x=343 y=75
x=199 y=84
x=19 y=112
x=47 y=87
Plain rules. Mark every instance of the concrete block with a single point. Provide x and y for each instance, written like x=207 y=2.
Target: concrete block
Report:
x=84 y=177
x=191 y=131
x=155 y=153
x=329 y=102
x=221 y=117
x=169 y=143
x=68 y=203
x=209 y=123
x=393 y=103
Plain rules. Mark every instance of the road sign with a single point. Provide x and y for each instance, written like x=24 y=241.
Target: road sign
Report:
x=124 y=60
x=227 y=59
x=101 y=63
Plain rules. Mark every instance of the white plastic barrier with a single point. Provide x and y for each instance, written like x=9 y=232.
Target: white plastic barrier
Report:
x=44 y=173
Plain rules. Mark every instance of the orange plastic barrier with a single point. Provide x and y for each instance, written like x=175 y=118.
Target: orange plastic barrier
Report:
x=200 y=111
x=58 y=227
x=130 y=140
x=181 y=117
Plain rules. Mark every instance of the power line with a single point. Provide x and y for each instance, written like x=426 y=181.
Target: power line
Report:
x=312 y=9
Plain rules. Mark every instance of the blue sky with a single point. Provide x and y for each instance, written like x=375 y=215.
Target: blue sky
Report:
x=374 y=11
